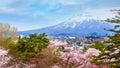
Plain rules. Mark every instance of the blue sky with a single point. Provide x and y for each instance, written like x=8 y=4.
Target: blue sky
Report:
x=33 y=14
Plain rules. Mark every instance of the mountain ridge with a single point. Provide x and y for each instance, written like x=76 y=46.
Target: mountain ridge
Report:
x=72 y=28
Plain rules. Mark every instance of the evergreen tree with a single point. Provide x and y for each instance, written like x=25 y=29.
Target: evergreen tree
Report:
x=27 y=47
x=116 y=19
x=111 y=54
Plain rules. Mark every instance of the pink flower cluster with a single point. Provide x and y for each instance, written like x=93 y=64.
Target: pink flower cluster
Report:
x=4 y=57
x=75 y=57
x=92 y=52
x=80 y=59
x=102 y=66
x=56 y=43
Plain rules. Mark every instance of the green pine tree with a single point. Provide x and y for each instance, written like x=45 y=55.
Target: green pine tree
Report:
x=110 y=54
x=28 y=47
x=116 y=19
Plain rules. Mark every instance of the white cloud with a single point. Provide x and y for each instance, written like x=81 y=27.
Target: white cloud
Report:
x=63 y=2
x=4 y=6
x=53 y=3
x=5 y=3
x=11 y=7
x=7 y=10
x=15 y=11
x=101 y=13
x=37 y=14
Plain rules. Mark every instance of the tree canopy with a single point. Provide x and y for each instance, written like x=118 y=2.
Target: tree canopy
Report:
x=110 y=54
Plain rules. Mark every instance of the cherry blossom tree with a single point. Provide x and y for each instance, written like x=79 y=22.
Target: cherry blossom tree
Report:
x=73 y=58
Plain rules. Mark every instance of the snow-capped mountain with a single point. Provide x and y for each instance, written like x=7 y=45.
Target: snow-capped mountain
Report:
x=73 y=27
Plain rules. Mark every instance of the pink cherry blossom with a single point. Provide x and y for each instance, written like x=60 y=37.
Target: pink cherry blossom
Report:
x=4 y=57
x=96 y=66
x=56 y=66
x=56 y=43
x=92 y=52
x=77 y=57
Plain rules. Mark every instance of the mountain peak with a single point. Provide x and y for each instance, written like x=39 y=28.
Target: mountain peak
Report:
x=77 y=21
x=77 y=26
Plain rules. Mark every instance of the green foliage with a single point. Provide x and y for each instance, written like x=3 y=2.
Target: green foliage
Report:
x=111 y=53
x=116 y=19
x=61 y=48
x=29 y=46
x=99 y=46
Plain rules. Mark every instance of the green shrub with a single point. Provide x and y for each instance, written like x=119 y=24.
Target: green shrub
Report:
x=29 y=46
x=97 y=45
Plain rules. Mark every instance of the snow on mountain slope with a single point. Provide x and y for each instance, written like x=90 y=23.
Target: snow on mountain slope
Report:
x=77 y=27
